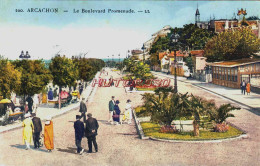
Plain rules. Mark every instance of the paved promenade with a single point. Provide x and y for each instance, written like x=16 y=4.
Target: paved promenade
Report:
x=251 y=101
x=120 y=145
x=46 y=110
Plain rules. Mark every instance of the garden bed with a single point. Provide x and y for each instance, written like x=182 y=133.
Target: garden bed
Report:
x=152 y=130
x=145 y=89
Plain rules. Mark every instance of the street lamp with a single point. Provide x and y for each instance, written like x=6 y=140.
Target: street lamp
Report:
x=143 y=48
x=24 y=56
x=119 y=58
x=174 y=45
x=108 y=61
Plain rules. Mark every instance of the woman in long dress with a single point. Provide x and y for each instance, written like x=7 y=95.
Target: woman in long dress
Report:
x=248 y=88
x=27 y=130
x=116 y=116
x=48 y=135
x=128 y=112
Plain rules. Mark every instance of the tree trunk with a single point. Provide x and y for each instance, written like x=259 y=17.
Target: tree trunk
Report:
x=59 y=97
x=196 y=130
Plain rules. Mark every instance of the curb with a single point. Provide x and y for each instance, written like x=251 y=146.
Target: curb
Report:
x=243 y=136
x=139 y=127
x=55 y=116
x=194 y=84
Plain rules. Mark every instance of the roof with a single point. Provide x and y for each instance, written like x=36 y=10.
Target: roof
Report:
x=178 y=53
x=161 y=55
x=234 y=63
x=197 y=53
x=137 y=52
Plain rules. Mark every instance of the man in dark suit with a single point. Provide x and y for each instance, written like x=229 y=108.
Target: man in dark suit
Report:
x=83 y=109
x=111 y=108
x=91 y=132
x=79 y=133
x=37 y=130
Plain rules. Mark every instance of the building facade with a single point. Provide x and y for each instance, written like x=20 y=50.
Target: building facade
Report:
x=232 y=73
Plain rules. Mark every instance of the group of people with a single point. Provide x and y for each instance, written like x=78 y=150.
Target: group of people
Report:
x=32 y=131
x=118 y=116
x=33 y=128
x=89 y=130
x=245 y=87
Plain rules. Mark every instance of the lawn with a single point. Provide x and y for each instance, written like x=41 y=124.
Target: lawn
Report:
x=152 y=130
x=145 y=89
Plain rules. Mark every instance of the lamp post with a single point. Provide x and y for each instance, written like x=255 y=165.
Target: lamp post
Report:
x=174 y=45
x=108 y=61
x=119 y=58
x=143 y=48
x=24 y=56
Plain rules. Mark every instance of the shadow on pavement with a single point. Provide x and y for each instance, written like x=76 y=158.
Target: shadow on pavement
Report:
x=23 y=147
x=68 y=150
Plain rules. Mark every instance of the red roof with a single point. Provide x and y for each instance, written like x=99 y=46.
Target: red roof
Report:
x=161 y=55
x=197 y=53
x=178 y=53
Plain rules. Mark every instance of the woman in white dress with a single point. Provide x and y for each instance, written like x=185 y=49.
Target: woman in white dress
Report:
x=128 y=112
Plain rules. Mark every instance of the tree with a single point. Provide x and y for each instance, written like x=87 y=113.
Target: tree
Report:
x=197 y=108
x=64 y=72
x=10 y=78
x=232 y=45
x=253 y=18
x=220 y=114
x=34 y=77
x=84 y=68
x=189 y=63
x=164 y=105
x=193 y=37
x=141 y=70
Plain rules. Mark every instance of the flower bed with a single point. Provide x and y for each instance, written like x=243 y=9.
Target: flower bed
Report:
x=153 y=130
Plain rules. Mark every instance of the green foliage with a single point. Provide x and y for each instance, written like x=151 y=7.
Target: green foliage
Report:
x=232 y=45
x=253 y=18
x=140 y=70
x=220 y=114
x=165 y=105
x=160 y=45
x=189 y=63
x=10 y=78
x=34 y=76
x=85 y=69
x=64 y=71
x=152 y=130
x=193 y=37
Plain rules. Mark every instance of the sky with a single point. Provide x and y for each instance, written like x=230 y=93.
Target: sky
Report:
x=98 y=35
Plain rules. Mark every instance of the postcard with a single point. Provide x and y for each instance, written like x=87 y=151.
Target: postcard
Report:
x=126 y=82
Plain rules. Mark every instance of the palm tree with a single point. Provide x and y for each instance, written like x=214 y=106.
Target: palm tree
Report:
x=165 y=105
x=198 y=107
x=220 y=114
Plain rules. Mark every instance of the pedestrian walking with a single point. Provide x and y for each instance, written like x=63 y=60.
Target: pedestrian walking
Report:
x=248 y=86
x=91 y=132
x=83 y=109
x=27 y=130
x=36 y=102
x=128 y=112
x=48 y=134
x=79 y=133
x=116 y=114
x=111 y=105
x=30 y=103
x=37 y=130
x=243 y=87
